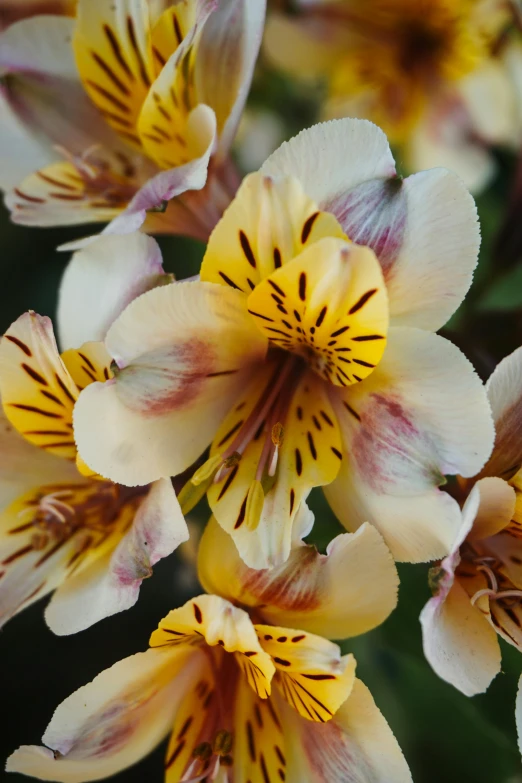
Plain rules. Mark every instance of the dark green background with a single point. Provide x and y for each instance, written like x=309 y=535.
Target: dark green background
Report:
x=445 y=736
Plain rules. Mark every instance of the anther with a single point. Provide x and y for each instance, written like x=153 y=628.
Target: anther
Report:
x=207 y=470
x=223 y=743
x=278 y=434
x=254 y=505
x=203 y=751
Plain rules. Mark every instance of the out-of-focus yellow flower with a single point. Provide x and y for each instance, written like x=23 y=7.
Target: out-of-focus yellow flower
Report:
x=133 y=102
x=13 y=10
x=247 y=693
x=441 y=77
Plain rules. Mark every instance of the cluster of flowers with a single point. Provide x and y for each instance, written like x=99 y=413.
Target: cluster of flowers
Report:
x=305 y=354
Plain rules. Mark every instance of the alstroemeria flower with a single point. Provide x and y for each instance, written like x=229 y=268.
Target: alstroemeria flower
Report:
x=247 y=695
x=61 y=528
x=138 y=102
x=478 y=587
x=308 y=360
x=440 y=77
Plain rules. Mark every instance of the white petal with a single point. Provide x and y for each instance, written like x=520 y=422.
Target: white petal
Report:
x=332 y=157
x=422 y=414
x=226 y=55
x=345 y=593
x=356 y=746
x=100 y=281
x=112 y=583
x=490 y=101
x=184 y=350
x=504 y=389
x=112 y=722
x=435 y=261
x=459 y=643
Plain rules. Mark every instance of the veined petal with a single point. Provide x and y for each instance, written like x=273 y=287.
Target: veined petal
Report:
x=43 y=101
x=308 y=455
x=259 y=739
x=112 y=582
x=23 y=467
x=114 y=721
x=114 y=55
x=459 y=643
x=38 y=393
x=224 y=65
x=404 y=428
x=88 y=364
x=163 y=121
x=214 y=621
x=504 y=389
x=268 y=223
x=168 y=184
x=185 y=351
x=310 y=672
x=170 y=29
x=357 y=745
x=333 y=157
x=424 y=231
x=345 y=593
x=329 y=305
x=101 y=280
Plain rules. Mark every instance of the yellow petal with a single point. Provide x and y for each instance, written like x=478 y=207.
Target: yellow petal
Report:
x=311 y=674
x=38 y=393
x=259 y=751
x=308 y=456
x=328 y=305
x=114 y=57
x=268 y=223
x=216 y=622
x=88 y=364
x=171 y=28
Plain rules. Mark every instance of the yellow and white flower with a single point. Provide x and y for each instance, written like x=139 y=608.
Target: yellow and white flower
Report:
x=140 y=100
x=307 y=360
x=478 y=587
x=61 y=528
x=441 y=77
x=247 y=694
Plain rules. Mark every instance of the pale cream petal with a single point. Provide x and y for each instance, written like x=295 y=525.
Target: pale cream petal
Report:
x=331 y=158
x=114 y=721
x=112 y=583
x=184 y=351
x=422 y=414
x=504 y=389
x=225 y=60
x=100 y=281
x=459 y=642
x=490 y=101
x=356 y=746
x=347 y=592
x=299 y=46
x=496 y=509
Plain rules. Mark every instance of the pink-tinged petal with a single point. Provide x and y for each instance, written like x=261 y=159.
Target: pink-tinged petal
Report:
x=114 y=721
x=44 y=93
x=422 y=414
x=504 y=389
x=459 y=642
x=332 y=158
x=357 y=745
x=112 y=583
x=100 y=281
x=185 y=351
x=424 y=230
x=347 y=592
x=226 y=56
x=168 y=184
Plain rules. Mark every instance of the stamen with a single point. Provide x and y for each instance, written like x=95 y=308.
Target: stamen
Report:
x=492 y=578
x=254 y=505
